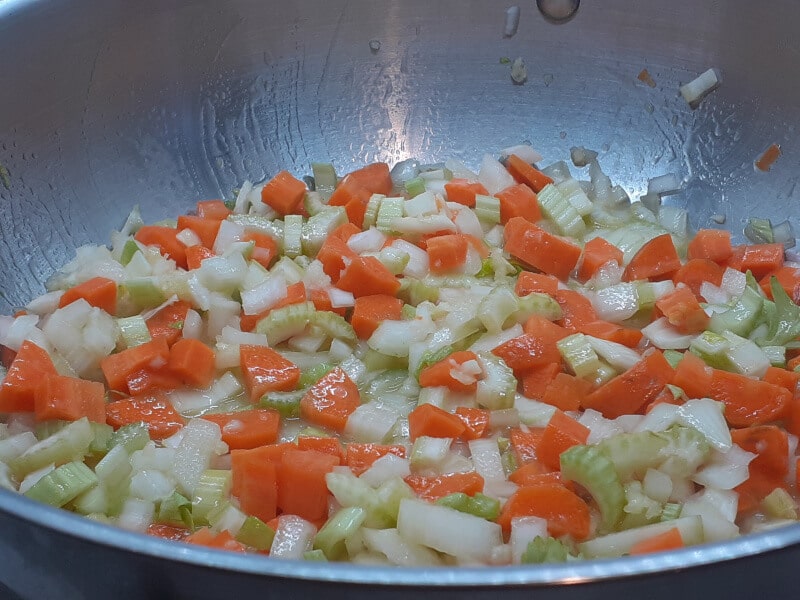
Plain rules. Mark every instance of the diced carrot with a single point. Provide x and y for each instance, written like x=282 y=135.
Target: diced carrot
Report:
x=333 y=254
x=693 y=376
x=697 y=271
x=118 y=367
x=295 y=294
x=195 y=255
x=761 y=259
x=613 y=332
x=459 y=372
x=447 y=253
x=711 y=244
x=374 y=177
x=562 y=433
x=213 y=209
x=534 y=473
x=302 y=489
x=565 y=512
x=665 y=396
x=535 y=381
x=18 y=388
x=330 y=401
x=519 y=201
x=432 y=421
x=476 y=421
x=205 y=228
x=69 y=399
x=464 y=191
x=322 y=302
x=788 y=278
x=345 y=231
x=628 y=392
x=671 y=539
x=431 y=488
x=525 y=445
x=354 y=197
x=367 y=276
x=151 y=380
x=748 y=401
x=538 y=248
x=596 y=253
x=284 y=193
x=545 y=330
x=264 y=370
x=683 y=310
x=529 y=282
x=168 y=532
x=370 y=311
x=782 y=377
x=360 y=457
x=97 y=291
x=167 y=323
x=768 y=469
x=247 y=429
x=222 y=540
x=164 y=238
x=265 y=250
x=526 y=173
x=566 y=392
x=527 y=351
x=193 y=362
x=656 y=260
x=768 y=157
x=254 y=479
x=576 y=310
x=326 y=445
x=155 y=410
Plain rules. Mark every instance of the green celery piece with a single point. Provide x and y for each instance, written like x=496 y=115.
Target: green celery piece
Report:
x=414 y=291
x=408 y=312
x=132 y=437
x=496 y=307
x=591 y=468
x=211 y=491
x=377 y=361
x=93 y=501
x=509 y=461
x=143 y=292
x=315 y=555
x=557 y=208
x=741 y=317
x=63 y=484
x=497 y=389
x=286 y=403
x=673 y=357
x=484 y=506
x=431 y=357
x=685 y=451
x=371 y=213
x=780 y=505
x=390 y=381
x=333 y=325
x=174 y=510
x=633 y=453
x=44 y=429
x=784 y=325
x=319 y=226
x=293 y=235
x=324 y=178
x=313 y=374
x=282 y=323
x=713 y=349
x=414 y=187
x=539 y=304
x=389 y=210
x=579 y=355
x=341 y=526
x=487 y=269
x=487 y=209
x=101 y=440
x=256 y=534
x=671 y=511
x=128 y=250
x=70 y=443
x=134 y=331
x=457 y=501
x=543 y=550
x=313 y=432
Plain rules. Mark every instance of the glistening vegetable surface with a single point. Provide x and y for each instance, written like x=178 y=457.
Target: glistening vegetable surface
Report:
x=444 y=367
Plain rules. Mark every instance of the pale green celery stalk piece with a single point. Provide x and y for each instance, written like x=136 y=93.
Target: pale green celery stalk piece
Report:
x=282 y=323
x=256 y=534
x=579 y=355
x=70 y=443
x=371 y=212
x=542 y=550
x=325 y=179
x=128 y=250
x=389 y=210
x=212 y=490
x=558 y=209
x=319 y=226
x=63 y=484
x=331 y=538
x=132 y=437
x=143 y=292
x=496 y=307
x=414 y=187
x=591 y=468
x=286 y=403
x=633 y=453
x=134 y=331
x=497 y=389
x=293 y=235
x=487 y=209
x=174 y=509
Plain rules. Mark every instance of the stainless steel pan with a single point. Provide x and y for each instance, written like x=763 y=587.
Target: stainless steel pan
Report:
x=108 y=103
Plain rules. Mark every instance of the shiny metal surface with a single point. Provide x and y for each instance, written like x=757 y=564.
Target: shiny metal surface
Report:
x=107 y=103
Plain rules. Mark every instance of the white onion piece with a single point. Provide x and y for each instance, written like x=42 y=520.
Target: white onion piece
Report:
x=700 y=87
x=265 y=296
x=44 y=304
x=661 y=417
x=370 y=423
x=385 y=468
x=293 y=537
x=493 y=175
x=23 y=328
x=228 y=233
x=467 y=222
x=243 y=199
x=664 y=185
x=726 y=469
x=617 y=355
x=662 y=335
x=33 y=477
x=13 y=446
x=193 y=455
x=188 y=238
x=600 y=428
x=153 y=311
x=714 y=294
x=151 y=485
x=733 y=282
x=423 y=225
x=489 y=341
x=192 y=325
x=371 y=240
x=525 y=151
x=486 y=458
x=418 y=262
x=136 y=515
x=715 y=526
x=341 y=298
x=616 y=303
x=231 y=335
x=398 y=550
x=706 y=416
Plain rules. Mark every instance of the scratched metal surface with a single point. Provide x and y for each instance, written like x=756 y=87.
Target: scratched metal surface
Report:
x=107 y=103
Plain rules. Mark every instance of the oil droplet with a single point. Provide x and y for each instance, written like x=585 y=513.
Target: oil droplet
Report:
x=558 y=11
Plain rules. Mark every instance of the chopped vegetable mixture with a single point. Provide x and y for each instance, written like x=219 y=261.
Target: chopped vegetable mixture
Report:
x=422 y=366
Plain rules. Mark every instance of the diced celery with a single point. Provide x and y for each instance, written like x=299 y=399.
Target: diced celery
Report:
x=101 y=439
x=45 y=429
x=478 y=505
x=497 y=389
x=415 y=186
x=673 y=357
x=282 y=323
x=333 y=325
x=389 y=210
x=776 y=355
x=256 y=534
x=114 y=467
x=783 y=321
x=331 y=538
x=618 y=544
x=633 y=453
x=324 y=178
x=556 y=207
x=212 y=489
x=132 y=437
x=712 y=348
x=175 y=510
x=92 y=501
x=671 y=511
x=371 y=212
x=128 y=250
x=537 y=304
x=134 y=331
x=544 y=550
x=315 y=555
x=63 y=484
x=457 y=501
x=591 y=468
x=286 y=403
x=314 y=202
x=571 y=189
x=68 y=444
x=313 y=374
x=431 y=357
x=414 y=291
x=377 y=361
x=496 y=307
x=685 y=451
x=143 y=292
x=293 y=235
x=639 y=508
x=579 y=355
x=741 y=317
x=487 y=209
x=779 y=504
x=394 y=259
x=319 y=226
